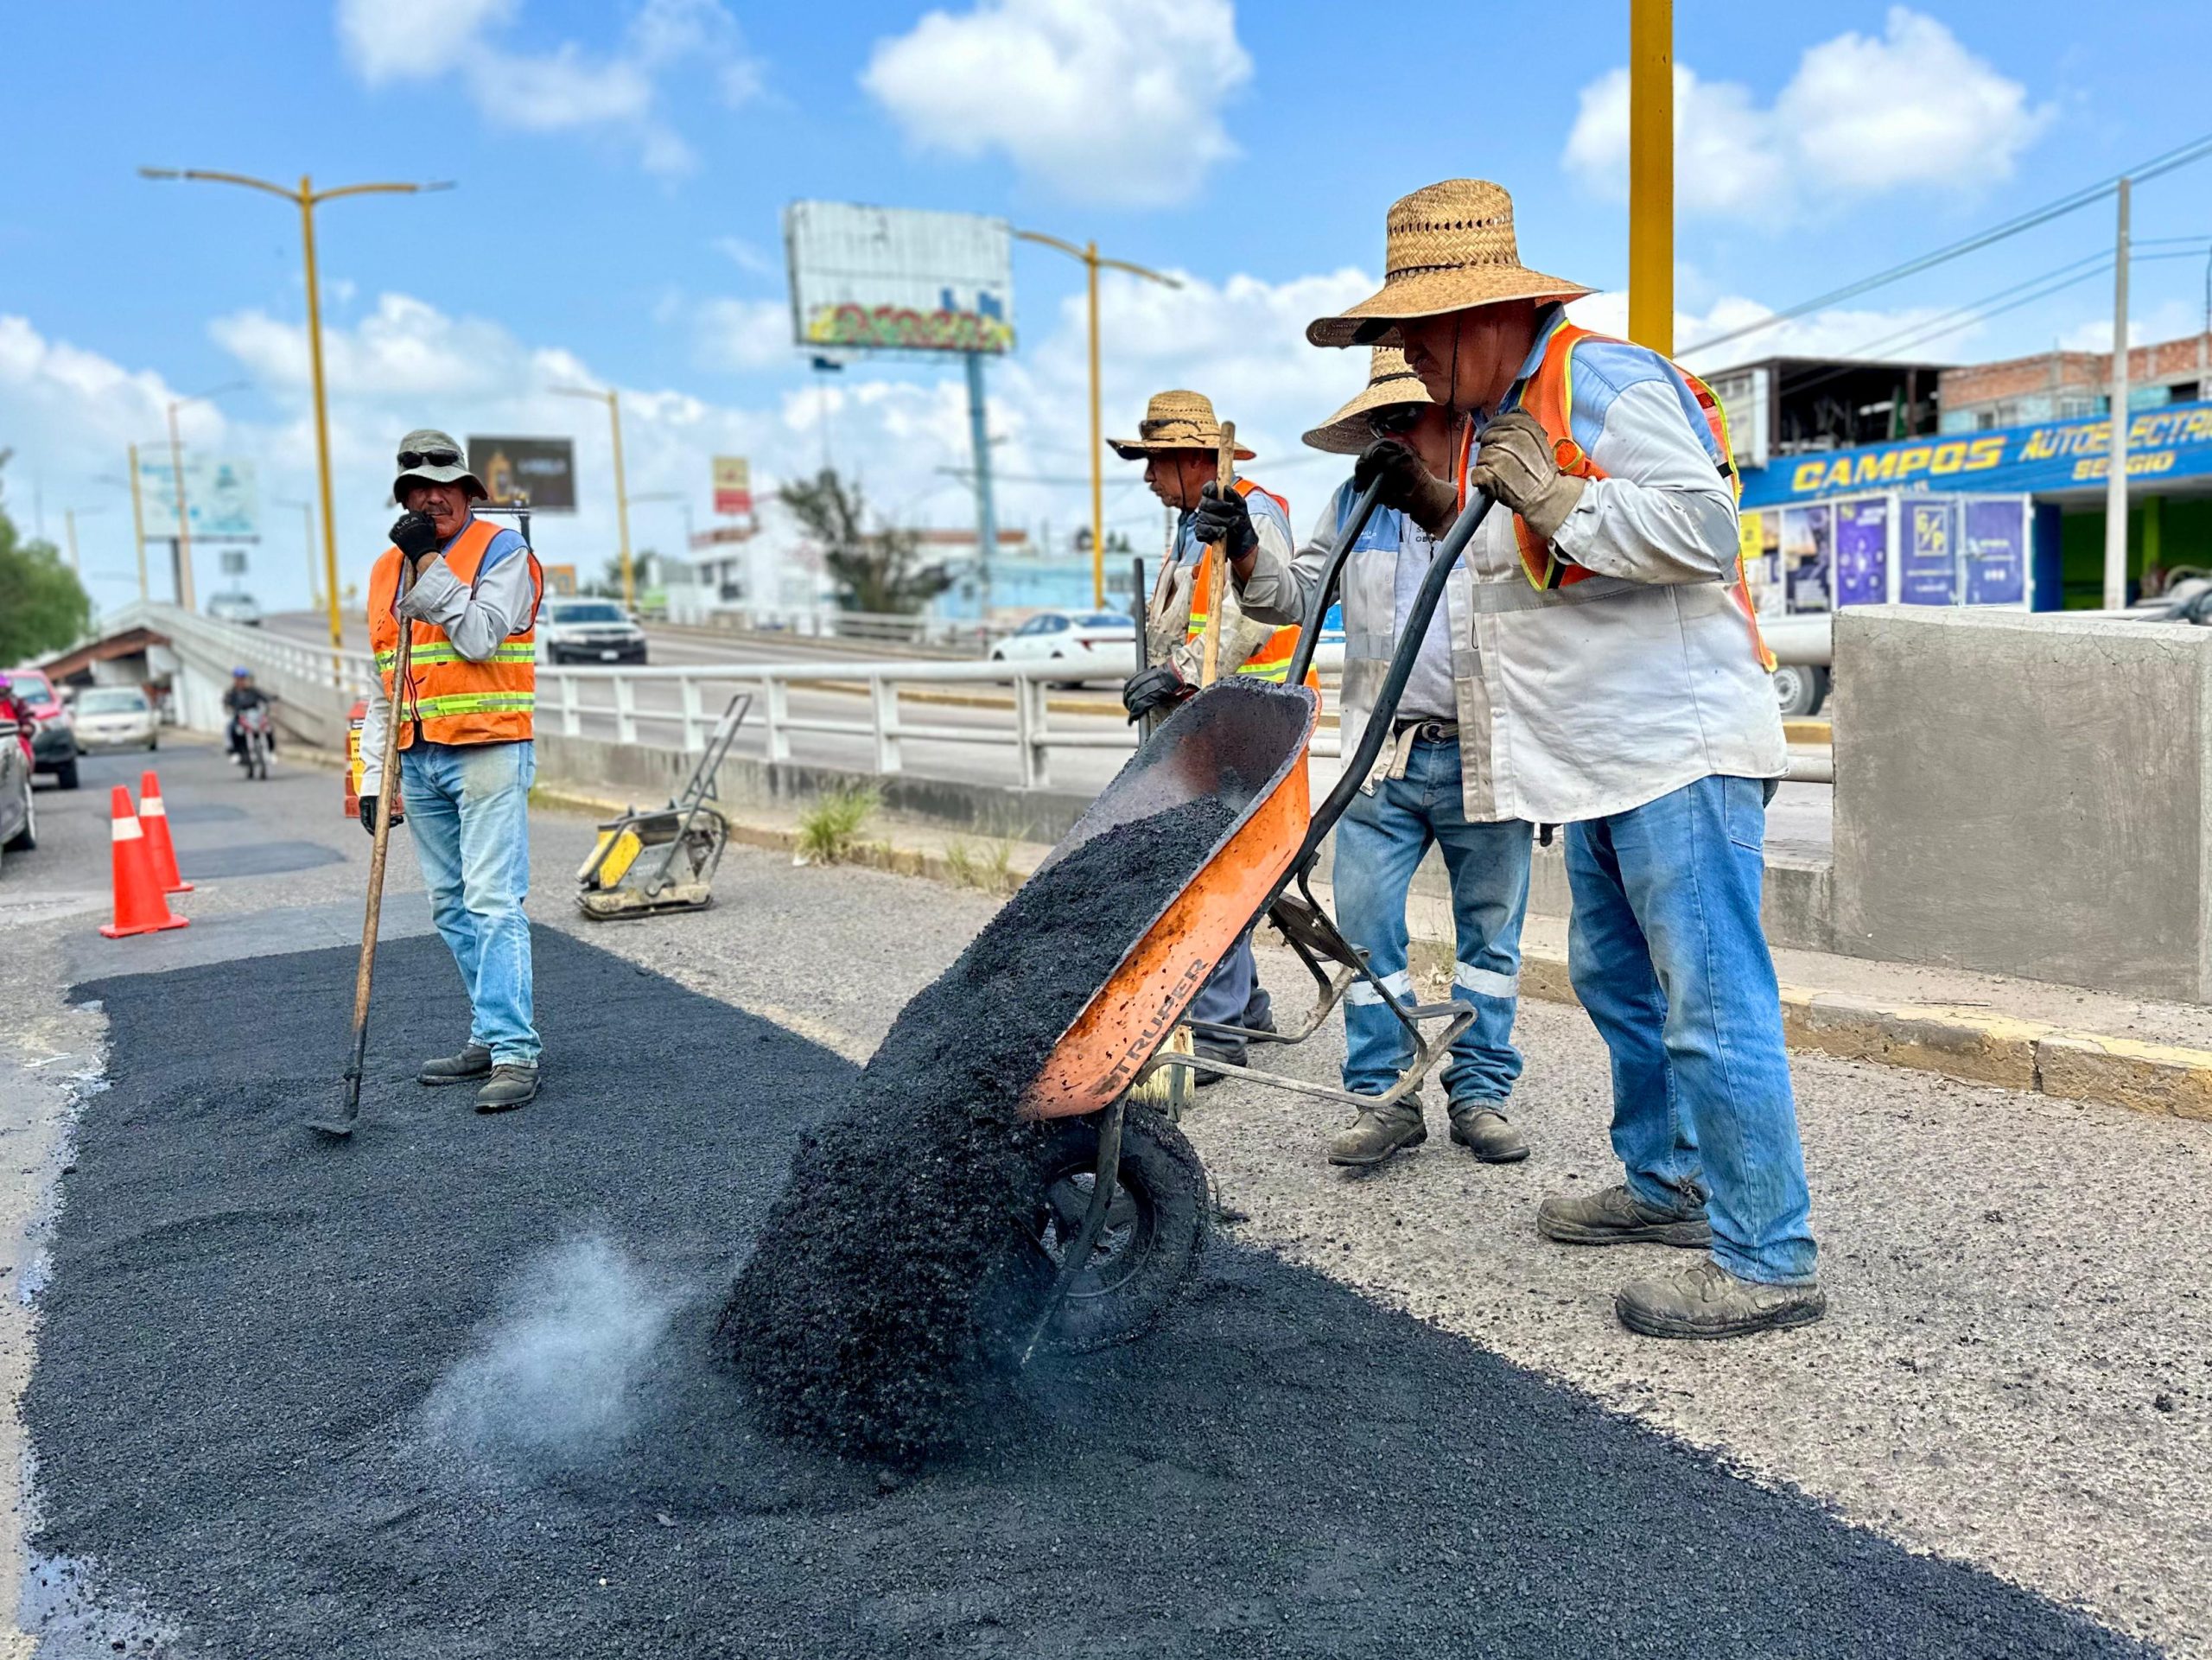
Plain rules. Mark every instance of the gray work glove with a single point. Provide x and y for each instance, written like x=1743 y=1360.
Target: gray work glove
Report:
x=1515 y=464
x=1408 y=486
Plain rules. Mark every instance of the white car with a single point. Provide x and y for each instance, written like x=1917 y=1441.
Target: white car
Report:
x=1095 y=645
x=235 y=606
x=117 y=717
x=589 y=631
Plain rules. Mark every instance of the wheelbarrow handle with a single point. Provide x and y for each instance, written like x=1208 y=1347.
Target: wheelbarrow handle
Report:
x=1317 y=608
x=1358 y=765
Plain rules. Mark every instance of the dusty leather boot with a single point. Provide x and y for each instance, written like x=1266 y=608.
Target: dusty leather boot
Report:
x=474 y=1061
x=513 y=1084
x=1483 y=1131
x=1378 y=1132
x=1704 y=1300
x=1616 y=1216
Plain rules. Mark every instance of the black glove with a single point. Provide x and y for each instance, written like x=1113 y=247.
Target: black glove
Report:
x=414 y=535
x=1406 y=485
x=1224 y=519
x=1156 y=687
x=369 y=813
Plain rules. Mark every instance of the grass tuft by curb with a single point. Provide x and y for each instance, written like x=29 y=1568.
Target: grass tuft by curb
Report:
x=829 y=829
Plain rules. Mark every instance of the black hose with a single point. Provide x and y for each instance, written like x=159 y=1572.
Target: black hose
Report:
x=1309 y=636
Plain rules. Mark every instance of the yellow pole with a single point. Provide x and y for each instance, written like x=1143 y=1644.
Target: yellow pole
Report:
x=138 y=524
x=321 y=439
x=1097 y=445
x=183 y=524
x=621 y=500
x=1651 y=174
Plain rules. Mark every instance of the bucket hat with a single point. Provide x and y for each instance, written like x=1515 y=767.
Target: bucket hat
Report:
x=1388 y=381
x=439 y=461
x=1175 y=420
x=1446 y=248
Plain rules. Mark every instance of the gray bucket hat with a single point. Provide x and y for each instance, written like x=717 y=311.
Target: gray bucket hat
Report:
x=433 y=457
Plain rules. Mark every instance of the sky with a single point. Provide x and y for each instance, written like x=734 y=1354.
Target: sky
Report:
x=621 y=168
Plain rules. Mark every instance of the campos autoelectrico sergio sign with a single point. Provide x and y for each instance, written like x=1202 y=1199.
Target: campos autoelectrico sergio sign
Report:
x=2062 y=456
x=899 y=279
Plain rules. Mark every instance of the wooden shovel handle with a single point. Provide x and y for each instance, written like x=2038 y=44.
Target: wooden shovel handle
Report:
x=1216 y=566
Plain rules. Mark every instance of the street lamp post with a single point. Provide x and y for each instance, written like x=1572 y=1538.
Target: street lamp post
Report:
x=185 y=593
x=614 y=402
x=1092 y=260
x=307 y=198
x=307 y=521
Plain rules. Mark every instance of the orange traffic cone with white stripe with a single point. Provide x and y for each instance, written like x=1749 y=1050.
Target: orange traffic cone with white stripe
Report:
x=153 y=819
x=140 y=908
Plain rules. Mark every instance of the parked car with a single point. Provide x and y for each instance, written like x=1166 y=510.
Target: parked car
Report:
x=235 y=606
x=1094 y=645
x=589 y=631
x=116 y=717
x=18 y=809
x=53 y=745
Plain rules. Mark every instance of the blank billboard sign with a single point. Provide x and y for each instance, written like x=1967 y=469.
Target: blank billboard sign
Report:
x=899 y=279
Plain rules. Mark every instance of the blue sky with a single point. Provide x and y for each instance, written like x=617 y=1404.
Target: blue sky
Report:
x=623 y=166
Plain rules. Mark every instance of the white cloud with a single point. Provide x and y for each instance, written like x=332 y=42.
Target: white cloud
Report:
x=1900 y=334
x=2170 y=319
x=567 y=88
x=1862 y=116
x=1116 y=104
x=741 y=334
x=746 y=256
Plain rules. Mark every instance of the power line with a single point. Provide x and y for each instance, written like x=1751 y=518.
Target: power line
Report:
x=2195 y=150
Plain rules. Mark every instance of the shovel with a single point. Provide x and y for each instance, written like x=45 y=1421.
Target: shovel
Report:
x=341 y=1122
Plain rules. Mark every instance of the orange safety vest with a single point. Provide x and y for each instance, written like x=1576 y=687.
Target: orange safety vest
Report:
x=1271 y=661
x=1548 y=395
x=452 y=699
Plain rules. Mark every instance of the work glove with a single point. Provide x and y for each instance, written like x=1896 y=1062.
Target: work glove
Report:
x=1157 y=689
x=1224 y=519
x=1408 y=486
x=369 y=813
x=1515 y=464
x=414 y=535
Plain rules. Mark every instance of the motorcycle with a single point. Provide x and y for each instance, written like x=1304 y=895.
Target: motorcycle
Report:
x=254 y=736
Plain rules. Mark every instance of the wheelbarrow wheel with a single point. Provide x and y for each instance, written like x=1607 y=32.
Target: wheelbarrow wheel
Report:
x=1155 y=1228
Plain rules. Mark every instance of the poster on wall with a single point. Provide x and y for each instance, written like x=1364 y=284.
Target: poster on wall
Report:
x=1996 y=552
x=1862 y=552
x=1807 y=544
x=1928 y=574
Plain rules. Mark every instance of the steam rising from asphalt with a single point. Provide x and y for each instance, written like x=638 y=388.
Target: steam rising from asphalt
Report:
x=562 y=1372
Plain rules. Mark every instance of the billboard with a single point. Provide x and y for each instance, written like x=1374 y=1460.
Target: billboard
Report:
x=220 y=499
x=732 y=487
x=543 y=469
x=899 y=278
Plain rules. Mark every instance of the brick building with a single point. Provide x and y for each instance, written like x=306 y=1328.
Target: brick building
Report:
x=2062 y=385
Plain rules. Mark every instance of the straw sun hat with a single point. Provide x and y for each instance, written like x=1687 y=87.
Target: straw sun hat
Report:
x=1446 y=248
x=1388 y=381
x=1174 y=421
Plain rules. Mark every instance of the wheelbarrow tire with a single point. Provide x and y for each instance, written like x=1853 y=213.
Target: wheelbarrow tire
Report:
x=1146 y=1258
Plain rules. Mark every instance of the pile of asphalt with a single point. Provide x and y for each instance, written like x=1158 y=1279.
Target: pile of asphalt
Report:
x=257 y=1349
x=886 y=1295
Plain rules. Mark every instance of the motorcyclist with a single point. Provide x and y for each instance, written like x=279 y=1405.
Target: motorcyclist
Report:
x=243 y=695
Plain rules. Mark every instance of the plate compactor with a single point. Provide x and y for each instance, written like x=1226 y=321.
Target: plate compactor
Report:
x=645 y=862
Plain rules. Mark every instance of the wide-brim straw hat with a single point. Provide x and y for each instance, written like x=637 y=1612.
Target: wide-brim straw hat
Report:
x=1448 y=248
x=1388 y=381
x=1176 y=420
x=428 y=438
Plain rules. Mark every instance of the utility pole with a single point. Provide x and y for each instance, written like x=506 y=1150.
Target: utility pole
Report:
x=69 y=518
x=138 y=524
x=2116 y=484
x=614 y=402
x=987 y=518
x=181 y=545
x=307 y=521
x=1651 y=174
x=1091 y=260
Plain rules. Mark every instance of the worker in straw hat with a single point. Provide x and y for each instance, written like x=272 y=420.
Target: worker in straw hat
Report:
x=1629 y=700
x=1179 y=441
x=1431 y=785
x=469 y=592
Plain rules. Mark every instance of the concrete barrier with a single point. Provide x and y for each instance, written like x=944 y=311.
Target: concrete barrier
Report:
x=2026 y=794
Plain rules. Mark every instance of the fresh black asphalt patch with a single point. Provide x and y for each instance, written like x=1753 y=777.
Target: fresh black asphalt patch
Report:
x=214 y=863
x=401 y=1397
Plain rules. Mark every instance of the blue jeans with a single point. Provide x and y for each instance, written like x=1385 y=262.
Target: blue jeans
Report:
x=1234 y=997
x=1667 y=953
x=468 y=806
x=1380 y=842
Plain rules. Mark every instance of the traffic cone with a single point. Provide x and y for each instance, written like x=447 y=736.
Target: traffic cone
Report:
x=153 y=819
x=139 y=907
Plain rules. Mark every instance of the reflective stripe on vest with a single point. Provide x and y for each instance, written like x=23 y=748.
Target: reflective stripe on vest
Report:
x=1271 y=659
x=1548 y=395
x=451 y=698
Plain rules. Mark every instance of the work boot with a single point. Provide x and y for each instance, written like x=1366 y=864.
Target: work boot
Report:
x=1480 y=1128
x=512 y=1083
x=1704 y=1300
x=1378 y=1133
x=1212 y=1049
x=474 y=1061
x=1616 y=1216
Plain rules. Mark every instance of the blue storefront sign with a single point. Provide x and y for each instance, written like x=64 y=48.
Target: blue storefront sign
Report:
x=1930 y=571
x=1996 y=552
x=2171 y=443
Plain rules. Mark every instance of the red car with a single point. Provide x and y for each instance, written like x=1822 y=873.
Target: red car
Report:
x=53 y=738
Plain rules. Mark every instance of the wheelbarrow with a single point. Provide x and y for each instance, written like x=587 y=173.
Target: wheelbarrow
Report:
x=1122 y=1209
x=665 y=860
